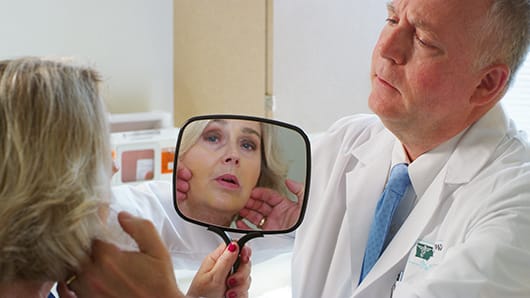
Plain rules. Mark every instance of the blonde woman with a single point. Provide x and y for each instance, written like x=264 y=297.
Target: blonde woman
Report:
x=55 y=171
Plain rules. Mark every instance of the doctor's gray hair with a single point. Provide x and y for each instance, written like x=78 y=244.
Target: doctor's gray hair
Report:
x=505 y=38
x=55 y=162
x=273 y=167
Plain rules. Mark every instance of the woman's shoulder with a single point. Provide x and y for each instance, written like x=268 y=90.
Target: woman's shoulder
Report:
x=146 y=199
x=153 y=189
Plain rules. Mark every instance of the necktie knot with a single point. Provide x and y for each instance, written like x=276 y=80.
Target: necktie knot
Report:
x=395 y=188
x=399 y=179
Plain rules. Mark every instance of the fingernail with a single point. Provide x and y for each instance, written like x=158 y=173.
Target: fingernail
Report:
x=232 y=282
x=232 y=295
x=232 y=247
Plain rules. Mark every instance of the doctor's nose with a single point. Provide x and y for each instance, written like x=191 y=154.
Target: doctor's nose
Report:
x=393 y=45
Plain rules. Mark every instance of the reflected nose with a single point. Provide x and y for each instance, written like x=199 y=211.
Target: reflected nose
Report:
x=231 y=155
x=231 y=159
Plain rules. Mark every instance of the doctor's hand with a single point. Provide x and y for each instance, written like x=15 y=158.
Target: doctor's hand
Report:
x=214 y=279
x=183 y=176
x=111 y=272
x=270 y=210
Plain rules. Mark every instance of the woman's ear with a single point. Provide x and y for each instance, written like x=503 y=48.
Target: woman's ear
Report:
x=492 y=85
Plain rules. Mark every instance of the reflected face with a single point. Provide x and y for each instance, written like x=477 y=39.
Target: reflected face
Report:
x=225 y=163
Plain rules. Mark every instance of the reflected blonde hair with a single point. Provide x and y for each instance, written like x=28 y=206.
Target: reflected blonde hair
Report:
x=55 y=166
x=273 y=167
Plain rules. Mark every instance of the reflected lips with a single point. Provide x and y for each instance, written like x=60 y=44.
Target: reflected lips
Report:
x=228 y=181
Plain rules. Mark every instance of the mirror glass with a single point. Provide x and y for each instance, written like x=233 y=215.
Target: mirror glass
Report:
x=242 y=174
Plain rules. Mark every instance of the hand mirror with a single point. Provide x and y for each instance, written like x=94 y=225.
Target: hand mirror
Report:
x=241 y=174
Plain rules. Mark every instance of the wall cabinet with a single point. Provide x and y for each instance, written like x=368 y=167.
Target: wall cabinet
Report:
x=221 y=57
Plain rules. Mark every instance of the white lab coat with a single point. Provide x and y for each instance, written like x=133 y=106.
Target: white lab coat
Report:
x=468 y=235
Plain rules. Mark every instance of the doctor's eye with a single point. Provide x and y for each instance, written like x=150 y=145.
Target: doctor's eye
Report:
x=422 y=42
x=391 y=21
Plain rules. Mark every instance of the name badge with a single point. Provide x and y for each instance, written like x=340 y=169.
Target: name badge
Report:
x=426 y=254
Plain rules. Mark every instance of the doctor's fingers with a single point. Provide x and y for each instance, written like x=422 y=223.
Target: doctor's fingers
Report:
x=144 y=233
x=297 y=188
x=183 y=173
x=266 y=196
x=64 y=291
x=182 y=189
x=116 y=273
x=183 y=176
x=240 y=224
x=254 y=217
x=257 y=204
x=95 y=275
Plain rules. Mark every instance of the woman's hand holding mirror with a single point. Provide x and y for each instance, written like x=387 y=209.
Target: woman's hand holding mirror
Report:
x=216 y=267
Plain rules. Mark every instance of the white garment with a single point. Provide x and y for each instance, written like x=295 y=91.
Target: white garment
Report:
x=468 y=235
x=187 y=243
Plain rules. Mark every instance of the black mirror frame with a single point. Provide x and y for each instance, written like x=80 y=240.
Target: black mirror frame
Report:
x=221 y=229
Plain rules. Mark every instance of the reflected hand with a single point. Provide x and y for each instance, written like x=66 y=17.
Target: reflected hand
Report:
x=183 y=176
x=273 y=210
x=211 y=280
x=111 y=272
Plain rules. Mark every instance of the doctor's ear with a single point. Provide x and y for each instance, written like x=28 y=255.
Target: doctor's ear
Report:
x=492 y=85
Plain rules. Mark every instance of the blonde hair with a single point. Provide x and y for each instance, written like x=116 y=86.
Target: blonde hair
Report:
x=273 y=167
x=56 y=167
x=505 y=38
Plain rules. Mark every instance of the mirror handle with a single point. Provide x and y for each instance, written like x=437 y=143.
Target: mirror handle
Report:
x=241 y=242
x=221 y=233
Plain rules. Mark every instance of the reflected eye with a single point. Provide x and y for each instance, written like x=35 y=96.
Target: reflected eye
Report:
x=248 y=145
x=211 y=137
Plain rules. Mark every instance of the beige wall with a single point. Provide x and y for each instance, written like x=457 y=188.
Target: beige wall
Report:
x=220 y=57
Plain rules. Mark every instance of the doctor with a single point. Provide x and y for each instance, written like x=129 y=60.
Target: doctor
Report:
x=438 y=72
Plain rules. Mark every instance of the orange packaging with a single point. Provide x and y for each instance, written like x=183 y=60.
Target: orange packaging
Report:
x=168 y=157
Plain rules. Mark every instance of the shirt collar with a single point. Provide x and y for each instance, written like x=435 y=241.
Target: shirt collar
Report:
x=423 y=170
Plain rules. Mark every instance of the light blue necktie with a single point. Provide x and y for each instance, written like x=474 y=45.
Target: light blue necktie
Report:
x=395 y=188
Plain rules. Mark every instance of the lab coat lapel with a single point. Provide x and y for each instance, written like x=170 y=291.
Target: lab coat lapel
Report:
x=489 y=130
x=364 y=185
x=410 y=231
